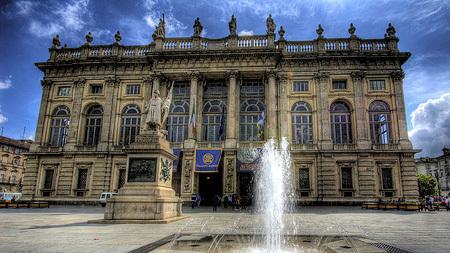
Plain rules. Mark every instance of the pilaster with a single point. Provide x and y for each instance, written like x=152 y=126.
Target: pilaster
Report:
x=283 y=105
x=230 y=141
x=76 y=113
x=111 y=87
x=397 y=78
x=229 y=173
x=322 y=80
x=271 y=105
x=362 y=139
x=46 y=87
x=192 y=123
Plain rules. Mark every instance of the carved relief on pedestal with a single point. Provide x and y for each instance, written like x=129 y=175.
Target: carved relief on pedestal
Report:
x=187 y=176
x=229 y=175
x=166 y=169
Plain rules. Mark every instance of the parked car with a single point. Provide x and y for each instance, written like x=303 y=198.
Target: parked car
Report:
x=104 y=196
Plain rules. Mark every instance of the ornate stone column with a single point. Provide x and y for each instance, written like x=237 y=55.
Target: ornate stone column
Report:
x=39 y=139
x=362 y=126
x=229 y=175
x=283 y=105
x=111 y=86
x=190 y=142
x=323 y=115
x=397 y=78
x=230 y=141
x=75 y=114
x=271 y=105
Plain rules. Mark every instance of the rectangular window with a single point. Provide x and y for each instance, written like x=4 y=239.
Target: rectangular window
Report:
x=17 y=151
x=96 y=88
x=48 y=182
x=347 y=178
x=304 y=178
x=64 y=91
x=300 y=86
x=386 y=175
x=133 y=89
x=339 y=84
x=5 y=159
x=82 y=179
x=5 y=148
x=377 y=85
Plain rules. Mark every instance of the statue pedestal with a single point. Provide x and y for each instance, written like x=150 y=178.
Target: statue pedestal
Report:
x=147 y=195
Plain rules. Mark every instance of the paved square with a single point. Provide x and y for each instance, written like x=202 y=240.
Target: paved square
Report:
x=64 y=229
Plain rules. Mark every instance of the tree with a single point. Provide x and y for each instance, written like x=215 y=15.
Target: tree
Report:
x=427 y=185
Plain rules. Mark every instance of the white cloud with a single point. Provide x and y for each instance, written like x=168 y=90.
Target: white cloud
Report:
x=5 y=84
x=41 y=30
x=245 y=32
x=72 y=16
x=3 y=119
x=174 y=27
x=24 y=7
x=431 y=125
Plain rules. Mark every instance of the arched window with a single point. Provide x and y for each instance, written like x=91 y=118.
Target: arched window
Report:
x=250 y=120
x=380 y=122
x=341 y=123
x=59 y=126
x=301 y=123
x=93 y=125
x=177 y=122
x=129 y=124
x=213 y=120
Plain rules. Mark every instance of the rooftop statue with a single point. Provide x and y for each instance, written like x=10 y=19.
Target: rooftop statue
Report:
x=118 y=37
x=281 y=32
x=270 y=24
x=233 y=26
x=160 y=30
x=157 y=110
x=56 y=42
x=390 y=31
x=319 y=31
x=198 y=28
x=89 y=38
x=352 y=30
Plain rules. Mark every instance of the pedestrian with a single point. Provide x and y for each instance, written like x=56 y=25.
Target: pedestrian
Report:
x=216 y=202
x=225 y=201
x=194 y=200
x=431 y=203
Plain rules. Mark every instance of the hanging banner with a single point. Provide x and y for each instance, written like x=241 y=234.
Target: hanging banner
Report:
x=178 y=153
x=248 y=159
x=207 y=160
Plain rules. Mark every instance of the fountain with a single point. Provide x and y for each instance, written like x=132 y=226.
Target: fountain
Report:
x=274 y=200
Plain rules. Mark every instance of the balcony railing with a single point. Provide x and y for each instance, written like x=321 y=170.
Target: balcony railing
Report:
x=322 y=45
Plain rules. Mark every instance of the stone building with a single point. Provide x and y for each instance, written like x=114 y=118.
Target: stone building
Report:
x=12 y=165
x=339 y=102
x=438 y=167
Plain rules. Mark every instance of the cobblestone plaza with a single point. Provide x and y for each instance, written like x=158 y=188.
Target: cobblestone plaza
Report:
x=65 y=229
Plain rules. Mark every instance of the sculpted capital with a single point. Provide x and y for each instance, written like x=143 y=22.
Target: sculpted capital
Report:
x=79 y=81
x=357 y=75
x=232 y=74
x=113 y=81
x=195 y=75
x=398 y=75
x=270 y=73
x=321 y=76
x=46 y=82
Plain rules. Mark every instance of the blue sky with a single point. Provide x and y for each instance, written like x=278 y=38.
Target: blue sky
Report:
x=26 y=29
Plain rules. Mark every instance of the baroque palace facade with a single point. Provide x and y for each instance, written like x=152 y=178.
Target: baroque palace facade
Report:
x=339 y=102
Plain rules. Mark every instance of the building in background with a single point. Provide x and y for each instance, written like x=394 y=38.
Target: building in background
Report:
x=339 y=102
x=12 y=164
x=438 y=167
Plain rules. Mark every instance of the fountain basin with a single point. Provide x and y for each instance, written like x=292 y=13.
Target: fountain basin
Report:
x=239 y=243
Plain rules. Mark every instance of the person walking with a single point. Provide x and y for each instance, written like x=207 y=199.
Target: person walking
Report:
x=225 y=202
x=431 y=203
x=216 y=202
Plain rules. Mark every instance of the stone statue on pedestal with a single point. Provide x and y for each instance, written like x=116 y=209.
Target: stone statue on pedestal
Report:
x=233 y=26
x=270 y=24
x=198 y=28
x=160 y=30
x=157 y=110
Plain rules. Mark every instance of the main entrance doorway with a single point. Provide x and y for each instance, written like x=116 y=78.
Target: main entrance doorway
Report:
x=246 y=182
x=209 y=185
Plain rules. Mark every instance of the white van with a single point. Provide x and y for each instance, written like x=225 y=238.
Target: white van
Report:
x=104 y=196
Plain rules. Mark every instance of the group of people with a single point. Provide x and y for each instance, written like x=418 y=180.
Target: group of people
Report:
x=232 y=200
x=434 y=202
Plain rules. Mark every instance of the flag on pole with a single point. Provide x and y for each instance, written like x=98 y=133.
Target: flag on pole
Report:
x=260 y=125
x=222 y=123
x=192 y=121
